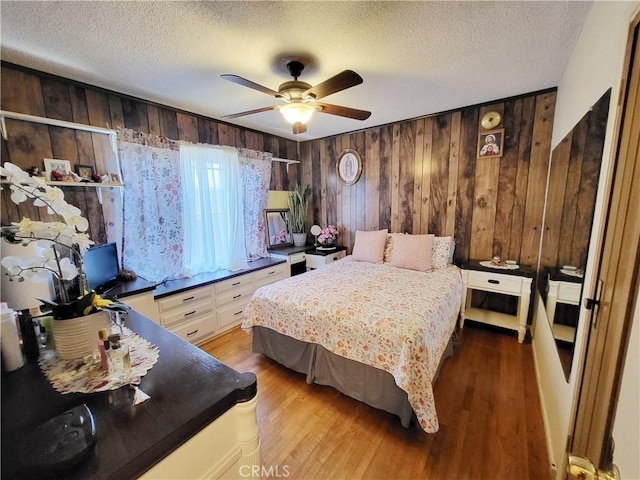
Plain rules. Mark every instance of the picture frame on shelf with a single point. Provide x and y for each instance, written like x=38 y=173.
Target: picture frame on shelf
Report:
x=491 y=143
x=114 y=177
x=85 y=172
x=58 y=170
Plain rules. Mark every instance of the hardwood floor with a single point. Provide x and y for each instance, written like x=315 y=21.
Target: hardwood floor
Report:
x=487 y=403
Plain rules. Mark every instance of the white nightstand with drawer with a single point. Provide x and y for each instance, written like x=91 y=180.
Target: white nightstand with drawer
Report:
x=320 y=258
x=515 y=282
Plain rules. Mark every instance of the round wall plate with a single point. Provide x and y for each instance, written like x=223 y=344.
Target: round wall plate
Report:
x=490 y=120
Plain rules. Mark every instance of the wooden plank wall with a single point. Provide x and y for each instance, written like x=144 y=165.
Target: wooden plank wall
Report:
x=573 y=184
x=419 y=176
x=34 y=93
x=422 y=176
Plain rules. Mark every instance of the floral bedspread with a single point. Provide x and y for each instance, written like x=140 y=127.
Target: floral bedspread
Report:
x=390 y=318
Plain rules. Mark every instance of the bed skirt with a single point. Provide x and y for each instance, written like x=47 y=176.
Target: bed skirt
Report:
x=370 y=385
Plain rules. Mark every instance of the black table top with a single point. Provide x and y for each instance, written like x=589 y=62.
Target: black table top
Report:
x=521 y=271
x=189 y=389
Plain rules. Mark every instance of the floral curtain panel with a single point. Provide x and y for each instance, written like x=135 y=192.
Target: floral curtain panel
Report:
x=256 y=176
x=153 y=226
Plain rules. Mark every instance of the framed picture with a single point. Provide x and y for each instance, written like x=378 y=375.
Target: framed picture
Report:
x=85 y=172
x=491 y=143
x=349 y=167
x=58 y=170
x=114 y=177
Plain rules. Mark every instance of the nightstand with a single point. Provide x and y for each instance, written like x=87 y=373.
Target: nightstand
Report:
x=515 y=282
x=320 y=258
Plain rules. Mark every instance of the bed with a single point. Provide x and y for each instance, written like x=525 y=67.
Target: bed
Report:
x=374 y=331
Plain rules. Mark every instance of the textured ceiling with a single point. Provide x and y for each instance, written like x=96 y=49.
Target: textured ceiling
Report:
x=416 y=58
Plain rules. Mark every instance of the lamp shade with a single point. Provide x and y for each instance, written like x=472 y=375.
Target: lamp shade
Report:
x=278 y=199
x=297 y=112
x=23 y=295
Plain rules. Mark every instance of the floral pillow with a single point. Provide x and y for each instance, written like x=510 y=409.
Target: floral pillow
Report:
x=369 y=246
x=413 y=252
x=388 y=249
x=443 y=248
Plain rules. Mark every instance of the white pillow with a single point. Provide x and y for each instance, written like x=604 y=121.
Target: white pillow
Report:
x=413 y=252
x=369 y=246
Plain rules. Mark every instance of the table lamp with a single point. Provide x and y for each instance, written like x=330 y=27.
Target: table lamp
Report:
x=315 y=231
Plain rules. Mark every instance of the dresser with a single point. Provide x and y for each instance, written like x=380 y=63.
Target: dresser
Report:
x=206 y=305
x=512 y=282
x=319 y=258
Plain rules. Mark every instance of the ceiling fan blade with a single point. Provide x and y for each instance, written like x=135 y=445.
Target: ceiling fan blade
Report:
x=337 y=83
x=343 y=111
x=248 y=83
x=249 y=112
x=299 y=128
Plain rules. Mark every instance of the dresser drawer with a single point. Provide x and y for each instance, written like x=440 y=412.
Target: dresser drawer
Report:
x=317 y=261
x=235 y=294
x=233 y=283
x=270 y=275
x=184 y=298
x=495 y=282
x=231 y=314
x=191 y=309
x=196 y=329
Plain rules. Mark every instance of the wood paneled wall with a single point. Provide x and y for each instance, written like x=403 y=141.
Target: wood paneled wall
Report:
x=35 y=93
x=422 y=176
x=419 y=176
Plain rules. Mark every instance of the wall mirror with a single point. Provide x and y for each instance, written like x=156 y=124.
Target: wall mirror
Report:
x=278 y=233
x=571 y=196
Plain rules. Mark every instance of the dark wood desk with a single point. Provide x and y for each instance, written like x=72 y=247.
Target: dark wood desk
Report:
x=189 y=389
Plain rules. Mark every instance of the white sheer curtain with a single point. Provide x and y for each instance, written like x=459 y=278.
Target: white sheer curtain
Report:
x=212 y=206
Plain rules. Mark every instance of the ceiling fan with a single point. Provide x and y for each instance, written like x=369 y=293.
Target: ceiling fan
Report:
x=301 y=99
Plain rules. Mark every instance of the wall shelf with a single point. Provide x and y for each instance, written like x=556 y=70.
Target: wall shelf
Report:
x=77 y=184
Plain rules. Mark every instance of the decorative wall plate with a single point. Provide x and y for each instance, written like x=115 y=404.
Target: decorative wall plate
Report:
x=490 y=120
x=349 y=167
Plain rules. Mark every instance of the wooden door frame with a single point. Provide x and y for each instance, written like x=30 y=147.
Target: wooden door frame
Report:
x=618 y=269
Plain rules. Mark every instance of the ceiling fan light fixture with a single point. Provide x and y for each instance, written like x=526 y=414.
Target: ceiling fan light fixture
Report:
x=297 y=112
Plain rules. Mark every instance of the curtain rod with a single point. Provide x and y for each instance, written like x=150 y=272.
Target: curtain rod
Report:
x=284 y=160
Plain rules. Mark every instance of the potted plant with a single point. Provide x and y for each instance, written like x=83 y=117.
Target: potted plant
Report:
x=298 y=211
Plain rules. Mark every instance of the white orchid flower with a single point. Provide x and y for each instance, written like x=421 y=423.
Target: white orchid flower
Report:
x=83 y=241
x=14 y=173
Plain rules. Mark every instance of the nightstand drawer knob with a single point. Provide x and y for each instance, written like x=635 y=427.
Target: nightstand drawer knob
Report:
x=495 y=282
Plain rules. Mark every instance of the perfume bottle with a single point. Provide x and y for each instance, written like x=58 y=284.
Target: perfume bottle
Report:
x=119 y=359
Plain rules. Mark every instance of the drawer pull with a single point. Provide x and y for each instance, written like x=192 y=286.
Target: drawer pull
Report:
x=495 y=282
x=237 y=296
x=192 y=333
x=188 y=298
x=237 y=313
x=190 y=313
x=237 y=283
x=334 y=258
x=271 y=273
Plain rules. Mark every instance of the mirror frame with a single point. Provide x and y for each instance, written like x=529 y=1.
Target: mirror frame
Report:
x=286 y=214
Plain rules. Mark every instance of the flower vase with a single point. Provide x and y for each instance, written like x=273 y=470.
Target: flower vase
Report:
x=299 y=239
x=77 y=337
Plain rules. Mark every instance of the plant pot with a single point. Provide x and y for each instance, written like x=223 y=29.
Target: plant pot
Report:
x=299 y=239
x=77 y=337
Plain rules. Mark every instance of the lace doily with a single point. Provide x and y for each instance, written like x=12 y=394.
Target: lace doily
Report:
x=84 y=375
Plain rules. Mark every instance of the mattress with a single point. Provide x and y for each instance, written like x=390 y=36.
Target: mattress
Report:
x=392 y=319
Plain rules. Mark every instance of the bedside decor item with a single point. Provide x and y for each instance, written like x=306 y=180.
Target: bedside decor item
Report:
x=349 y=167
x=327 y=238
x=491 y=143
x=298 y=210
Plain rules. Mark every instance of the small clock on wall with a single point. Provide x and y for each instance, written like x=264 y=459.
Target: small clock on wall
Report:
x=490 y=120
x=349 y=167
